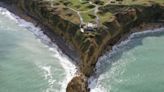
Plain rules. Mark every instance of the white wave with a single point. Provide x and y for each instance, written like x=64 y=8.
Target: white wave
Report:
x=48 y=76
x=69 y=67
x=6 y=13
x=47 y=72
x=95 y=85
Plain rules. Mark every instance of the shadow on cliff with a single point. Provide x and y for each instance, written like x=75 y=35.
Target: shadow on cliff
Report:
x=105 y=62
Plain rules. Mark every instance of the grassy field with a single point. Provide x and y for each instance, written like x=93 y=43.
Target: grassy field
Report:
x=127 y=2
x=87 y=10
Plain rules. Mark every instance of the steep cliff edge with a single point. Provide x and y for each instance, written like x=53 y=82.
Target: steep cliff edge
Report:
x=91 y=43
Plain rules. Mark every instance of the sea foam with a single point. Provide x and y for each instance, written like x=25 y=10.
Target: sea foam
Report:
x=94 y=80
x=70 y=68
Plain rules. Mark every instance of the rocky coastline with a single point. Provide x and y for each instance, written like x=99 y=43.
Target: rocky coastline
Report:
x=86 y=54
x=55 y=38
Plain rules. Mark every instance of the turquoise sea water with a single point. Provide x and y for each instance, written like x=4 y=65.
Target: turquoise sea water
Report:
x=136 y=66
x=26 y=64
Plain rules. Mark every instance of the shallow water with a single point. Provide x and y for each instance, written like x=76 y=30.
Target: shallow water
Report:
x=135 y=66
x=26 y=64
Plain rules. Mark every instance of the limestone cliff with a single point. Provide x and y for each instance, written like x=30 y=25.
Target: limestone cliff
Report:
x=90 y=45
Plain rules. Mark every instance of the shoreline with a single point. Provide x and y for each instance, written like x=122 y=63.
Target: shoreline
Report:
x=65 y=62
x=66 y=48
x=141 y=28
x=125 y=37
x=148 y=32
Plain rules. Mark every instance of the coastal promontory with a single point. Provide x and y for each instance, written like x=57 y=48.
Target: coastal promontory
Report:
x=88 y=28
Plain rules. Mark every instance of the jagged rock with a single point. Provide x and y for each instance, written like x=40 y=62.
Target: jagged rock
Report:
x=89 y=45
x=77 y=84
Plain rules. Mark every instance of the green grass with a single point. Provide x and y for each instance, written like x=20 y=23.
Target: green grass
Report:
x=86 y=10
x=106 y=17
x=139 y=2
x=86 y=16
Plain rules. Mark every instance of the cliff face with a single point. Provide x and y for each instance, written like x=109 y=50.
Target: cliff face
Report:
x=41 y=11
x=90 y=45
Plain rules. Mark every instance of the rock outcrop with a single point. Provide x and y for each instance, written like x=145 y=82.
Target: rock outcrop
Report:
x=89 y=45
x=78 y=84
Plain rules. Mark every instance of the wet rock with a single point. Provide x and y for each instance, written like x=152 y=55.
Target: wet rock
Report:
x=78 y=84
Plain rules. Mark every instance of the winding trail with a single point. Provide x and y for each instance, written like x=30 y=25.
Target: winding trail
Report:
x=81 y=18
x=78 y=13
x=96 y=9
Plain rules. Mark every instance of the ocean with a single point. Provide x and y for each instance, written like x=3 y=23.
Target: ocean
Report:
x=29 y=61
x=134 y=65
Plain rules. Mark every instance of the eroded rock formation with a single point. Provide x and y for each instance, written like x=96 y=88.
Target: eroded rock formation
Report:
x=89 y=45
